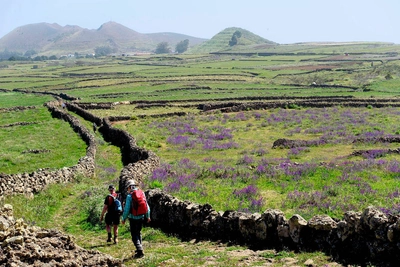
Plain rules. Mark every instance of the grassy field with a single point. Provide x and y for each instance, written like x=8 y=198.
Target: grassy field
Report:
x=225 y=160
x=234 y=151
x=32 y=139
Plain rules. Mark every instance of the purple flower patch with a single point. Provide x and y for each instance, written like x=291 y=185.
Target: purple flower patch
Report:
x=246 y=192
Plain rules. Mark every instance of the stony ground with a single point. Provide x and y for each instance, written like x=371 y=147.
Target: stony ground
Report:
x=24 y=245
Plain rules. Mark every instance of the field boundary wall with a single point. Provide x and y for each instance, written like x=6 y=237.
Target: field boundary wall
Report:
x=358 y=237
x=137 y=161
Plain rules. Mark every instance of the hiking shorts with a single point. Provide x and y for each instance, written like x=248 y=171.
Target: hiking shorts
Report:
x=112 y=218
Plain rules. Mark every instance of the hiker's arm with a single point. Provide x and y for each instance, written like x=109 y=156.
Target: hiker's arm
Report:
x=103 y=211
x=147 y=215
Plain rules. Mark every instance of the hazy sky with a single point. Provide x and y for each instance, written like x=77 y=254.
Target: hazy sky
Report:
x=281 y=21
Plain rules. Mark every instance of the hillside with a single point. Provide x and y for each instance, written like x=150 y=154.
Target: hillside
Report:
x=49 y=39
x=220 y=41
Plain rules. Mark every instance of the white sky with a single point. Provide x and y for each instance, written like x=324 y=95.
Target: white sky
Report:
x=281 y=21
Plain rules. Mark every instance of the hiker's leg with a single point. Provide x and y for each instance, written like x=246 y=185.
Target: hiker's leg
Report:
x=116 y=221
x=136 y=227
x=115 y=233
x=109 y=235
x=108 y=221
x=115 y=229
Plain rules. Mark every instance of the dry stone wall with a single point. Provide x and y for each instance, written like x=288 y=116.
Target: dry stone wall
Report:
x=287 y=102
x=141 y=116
x=85 y=114
x=19 y=108
x=138 y=162
x=359 y=237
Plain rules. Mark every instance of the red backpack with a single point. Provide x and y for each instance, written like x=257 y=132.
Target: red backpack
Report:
x=139 y=203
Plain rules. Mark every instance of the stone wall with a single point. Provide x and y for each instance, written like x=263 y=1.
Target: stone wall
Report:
x=359 y=237
x=141 y=116
x=316 y=102
x=137 y=161
x=29 y=183
x=18 y=108
x=83 y=113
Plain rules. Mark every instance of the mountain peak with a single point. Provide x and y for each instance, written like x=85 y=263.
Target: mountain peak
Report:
x=109 y=24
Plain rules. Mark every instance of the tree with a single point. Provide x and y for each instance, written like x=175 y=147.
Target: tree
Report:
x=40 y=58
x=102 y=51
x=238 y=34
x=8 y=54
x=162 y=48
x=234 y=40
x=30 y=53
x=182 y=46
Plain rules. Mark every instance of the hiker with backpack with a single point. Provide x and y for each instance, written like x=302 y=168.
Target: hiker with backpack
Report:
x=112 y=207
x=137 y=211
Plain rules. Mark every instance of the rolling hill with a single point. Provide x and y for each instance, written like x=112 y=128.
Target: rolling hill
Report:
x=220 y=41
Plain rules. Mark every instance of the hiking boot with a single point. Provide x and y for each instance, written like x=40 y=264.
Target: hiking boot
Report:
x=115 y=239
x=139 y=254
x=109 y=238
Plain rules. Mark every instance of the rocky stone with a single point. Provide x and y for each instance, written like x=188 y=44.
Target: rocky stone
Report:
x=309 y=263
x=322 y=222
x=296 y=224
x=42 y=247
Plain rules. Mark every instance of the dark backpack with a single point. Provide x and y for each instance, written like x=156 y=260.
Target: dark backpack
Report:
x=139 y=203
x=116 y=204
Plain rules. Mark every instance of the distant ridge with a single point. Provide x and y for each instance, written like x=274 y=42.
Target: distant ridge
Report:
x=49 y=39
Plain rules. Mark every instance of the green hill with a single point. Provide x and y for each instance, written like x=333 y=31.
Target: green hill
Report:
x=220 y=41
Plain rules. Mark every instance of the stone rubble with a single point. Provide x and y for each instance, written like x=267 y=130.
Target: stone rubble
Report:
x=24 y=245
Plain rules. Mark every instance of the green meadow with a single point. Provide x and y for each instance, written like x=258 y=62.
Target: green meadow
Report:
x=224 y=159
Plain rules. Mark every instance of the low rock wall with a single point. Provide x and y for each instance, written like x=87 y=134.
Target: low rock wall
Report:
x=141 y=116
x=359 y=237
x=138 y=162
x=85 y=114
x=311 y=103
